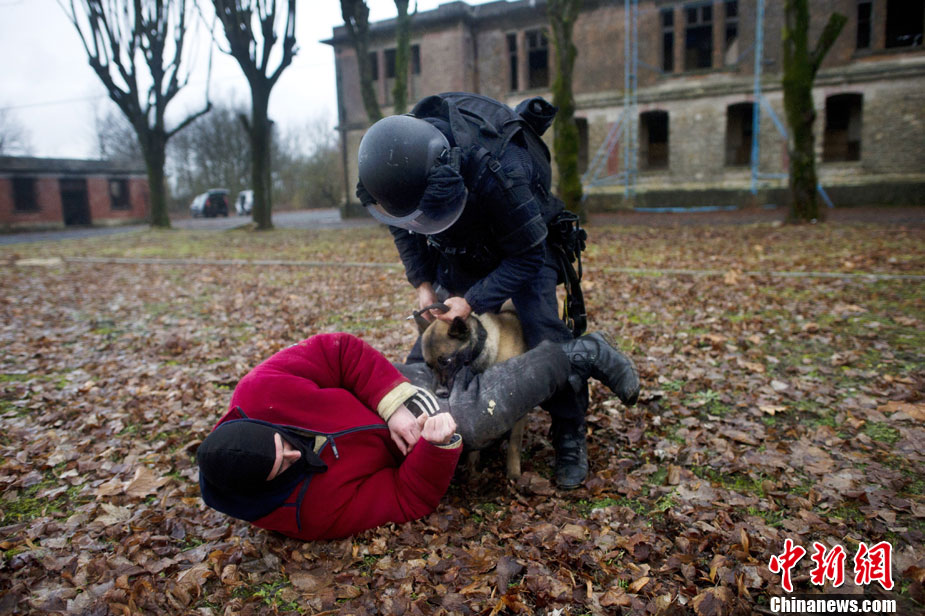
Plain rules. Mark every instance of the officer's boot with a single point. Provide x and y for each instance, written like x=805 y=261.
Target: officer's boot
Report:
x=569 y=441
x=593 y=355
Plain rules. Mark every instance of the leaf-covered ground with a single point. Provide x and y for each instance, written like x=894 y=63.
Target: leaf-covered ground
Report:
x=776 y=405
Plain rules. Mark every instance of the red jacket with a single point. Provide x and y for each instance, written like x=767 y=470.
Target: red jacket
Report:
x=329 y=385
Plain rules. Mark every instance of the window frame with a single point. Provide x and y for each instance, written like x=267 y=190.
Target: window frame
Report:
x=702 y=23
x=668 y=38
x=25 y=194
x=121 y=202
x=537 y=47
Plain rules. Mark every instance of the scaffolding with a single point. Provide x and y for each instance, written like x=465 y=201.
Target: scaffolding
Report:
x=626 y=125
x=625 y=134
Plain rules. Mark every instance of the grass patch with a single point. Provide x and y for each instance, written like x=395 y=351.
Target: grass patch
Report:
x=271 y=595
x=31 y=503
x=737 y=482
x=774 y=519
x=709 y=403
x=879 y=431
x=846 y=512
x=585 y=507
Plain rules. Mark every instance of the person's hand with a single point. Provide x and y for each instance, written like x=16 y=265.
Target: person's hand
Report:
x=426 y=297
x=437 y=429
x=404 y=429
x=458 y=307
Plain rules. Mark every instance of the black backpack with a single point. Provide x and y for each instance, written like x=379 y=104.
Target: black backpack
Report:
x=479 y=120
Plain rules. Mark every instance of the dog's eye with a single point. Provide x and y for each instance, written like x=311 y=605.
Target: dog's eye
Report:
x=444 y=361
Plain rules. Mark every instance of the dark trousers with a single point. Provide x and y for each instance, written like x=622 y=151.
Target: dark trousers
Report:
x=487 y=405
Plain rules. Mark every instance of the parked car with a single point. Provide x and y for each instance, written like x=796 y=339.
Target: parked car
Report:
x=245 y=202
x=210 y=204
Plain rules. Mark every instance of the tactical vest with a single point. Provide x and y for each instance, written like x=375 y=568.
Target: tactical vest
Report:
x=490 y=126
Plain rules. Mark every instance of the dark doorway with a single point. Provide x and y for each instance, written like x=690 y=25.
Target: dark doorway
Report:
x=653 y=140
x=74 y=202
x=841 y=140
x=739 y=134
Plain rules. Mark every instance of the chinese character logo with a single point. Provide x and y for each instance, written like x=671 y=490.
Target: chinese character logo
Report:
x=783 y=563
x=873 y=565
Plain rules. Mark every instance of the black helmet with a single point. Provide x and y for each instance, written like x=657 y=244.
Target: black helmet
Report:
x=397 y=157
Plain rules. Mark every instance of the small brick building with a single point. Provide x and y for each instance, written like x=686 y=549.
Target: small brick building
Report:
x=57 y=192
x=695 y=95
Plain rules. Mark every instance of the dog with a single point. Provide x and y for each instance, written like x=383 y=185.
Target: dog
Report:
x=478 y=341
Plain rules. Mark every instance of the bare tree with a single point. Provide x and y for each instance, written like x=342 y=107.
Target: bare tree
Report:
x=800 y=66
x=356 y=19
x=562 y=16
x=212 y=153
x=14 y=138
x=308 y=170
x=250 y=28
x=115 y=137
x=136 y=50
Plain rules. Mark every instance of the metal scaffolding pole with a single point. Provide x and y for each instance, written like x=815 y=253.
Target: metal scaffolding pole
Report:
x=756 y=106
x=630 y=98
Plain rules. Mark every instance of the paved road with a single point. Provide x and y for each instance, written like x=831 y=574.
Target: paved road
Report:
x=302 y=219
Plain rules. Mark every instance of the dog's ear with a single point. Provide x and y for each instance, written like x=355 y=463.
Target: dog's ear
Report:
x=458 y=329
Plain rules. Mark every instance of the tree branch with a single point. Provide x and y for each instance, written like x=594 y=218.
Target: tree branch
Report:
x=832 y=29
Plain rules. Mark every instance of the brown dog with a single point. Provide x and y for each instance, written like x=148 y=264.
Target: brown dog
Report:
x=479 y=341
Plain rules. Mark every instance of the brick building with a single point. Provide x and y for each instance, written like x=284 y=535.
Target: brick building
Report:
x=695 y=93
x=55 y=192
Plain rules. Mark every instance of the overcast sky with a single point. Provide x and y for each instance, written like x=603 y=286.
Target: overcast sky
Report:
x=49 y=89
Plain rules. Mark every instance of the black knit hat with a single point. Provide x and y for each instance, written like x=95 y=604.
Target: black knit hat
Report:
x=238 y=455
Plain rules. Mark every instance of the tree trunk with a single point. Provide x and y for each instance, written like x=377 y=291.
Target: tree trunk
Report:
x=799 y=72
x=261 y=136
x=562 y=16
x=154 y=151
x=402 y=57
x=356 y=19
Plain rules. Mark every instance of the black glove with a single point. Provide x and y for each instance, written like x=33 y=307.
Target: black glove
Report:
x=364 y=196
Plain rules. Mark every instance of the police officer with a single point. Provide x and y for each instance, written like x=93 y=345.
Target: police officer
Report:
x=469 y=220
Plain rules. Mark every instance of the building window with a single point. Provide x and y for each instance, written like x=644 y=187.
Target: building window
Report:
x=698 y=37
x=390 y=64
x=864 y=19
x=374 y=65
x=512 y=61
x=24 y=198
x=739 y=134
x=841 y=140
x=415 y=59
x=731 y=48
x=537 y=59
x=118 y=194
x=653 y=140
x=667 y=40
x=904 y=23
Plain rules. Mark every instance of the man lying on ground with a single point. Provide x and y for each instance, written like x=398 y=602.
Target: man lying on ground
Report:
x=328 y=438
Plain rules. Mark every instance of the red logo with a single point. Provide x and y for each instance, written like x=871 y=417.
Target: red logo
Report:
x=871 y=564
x=783 y=563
